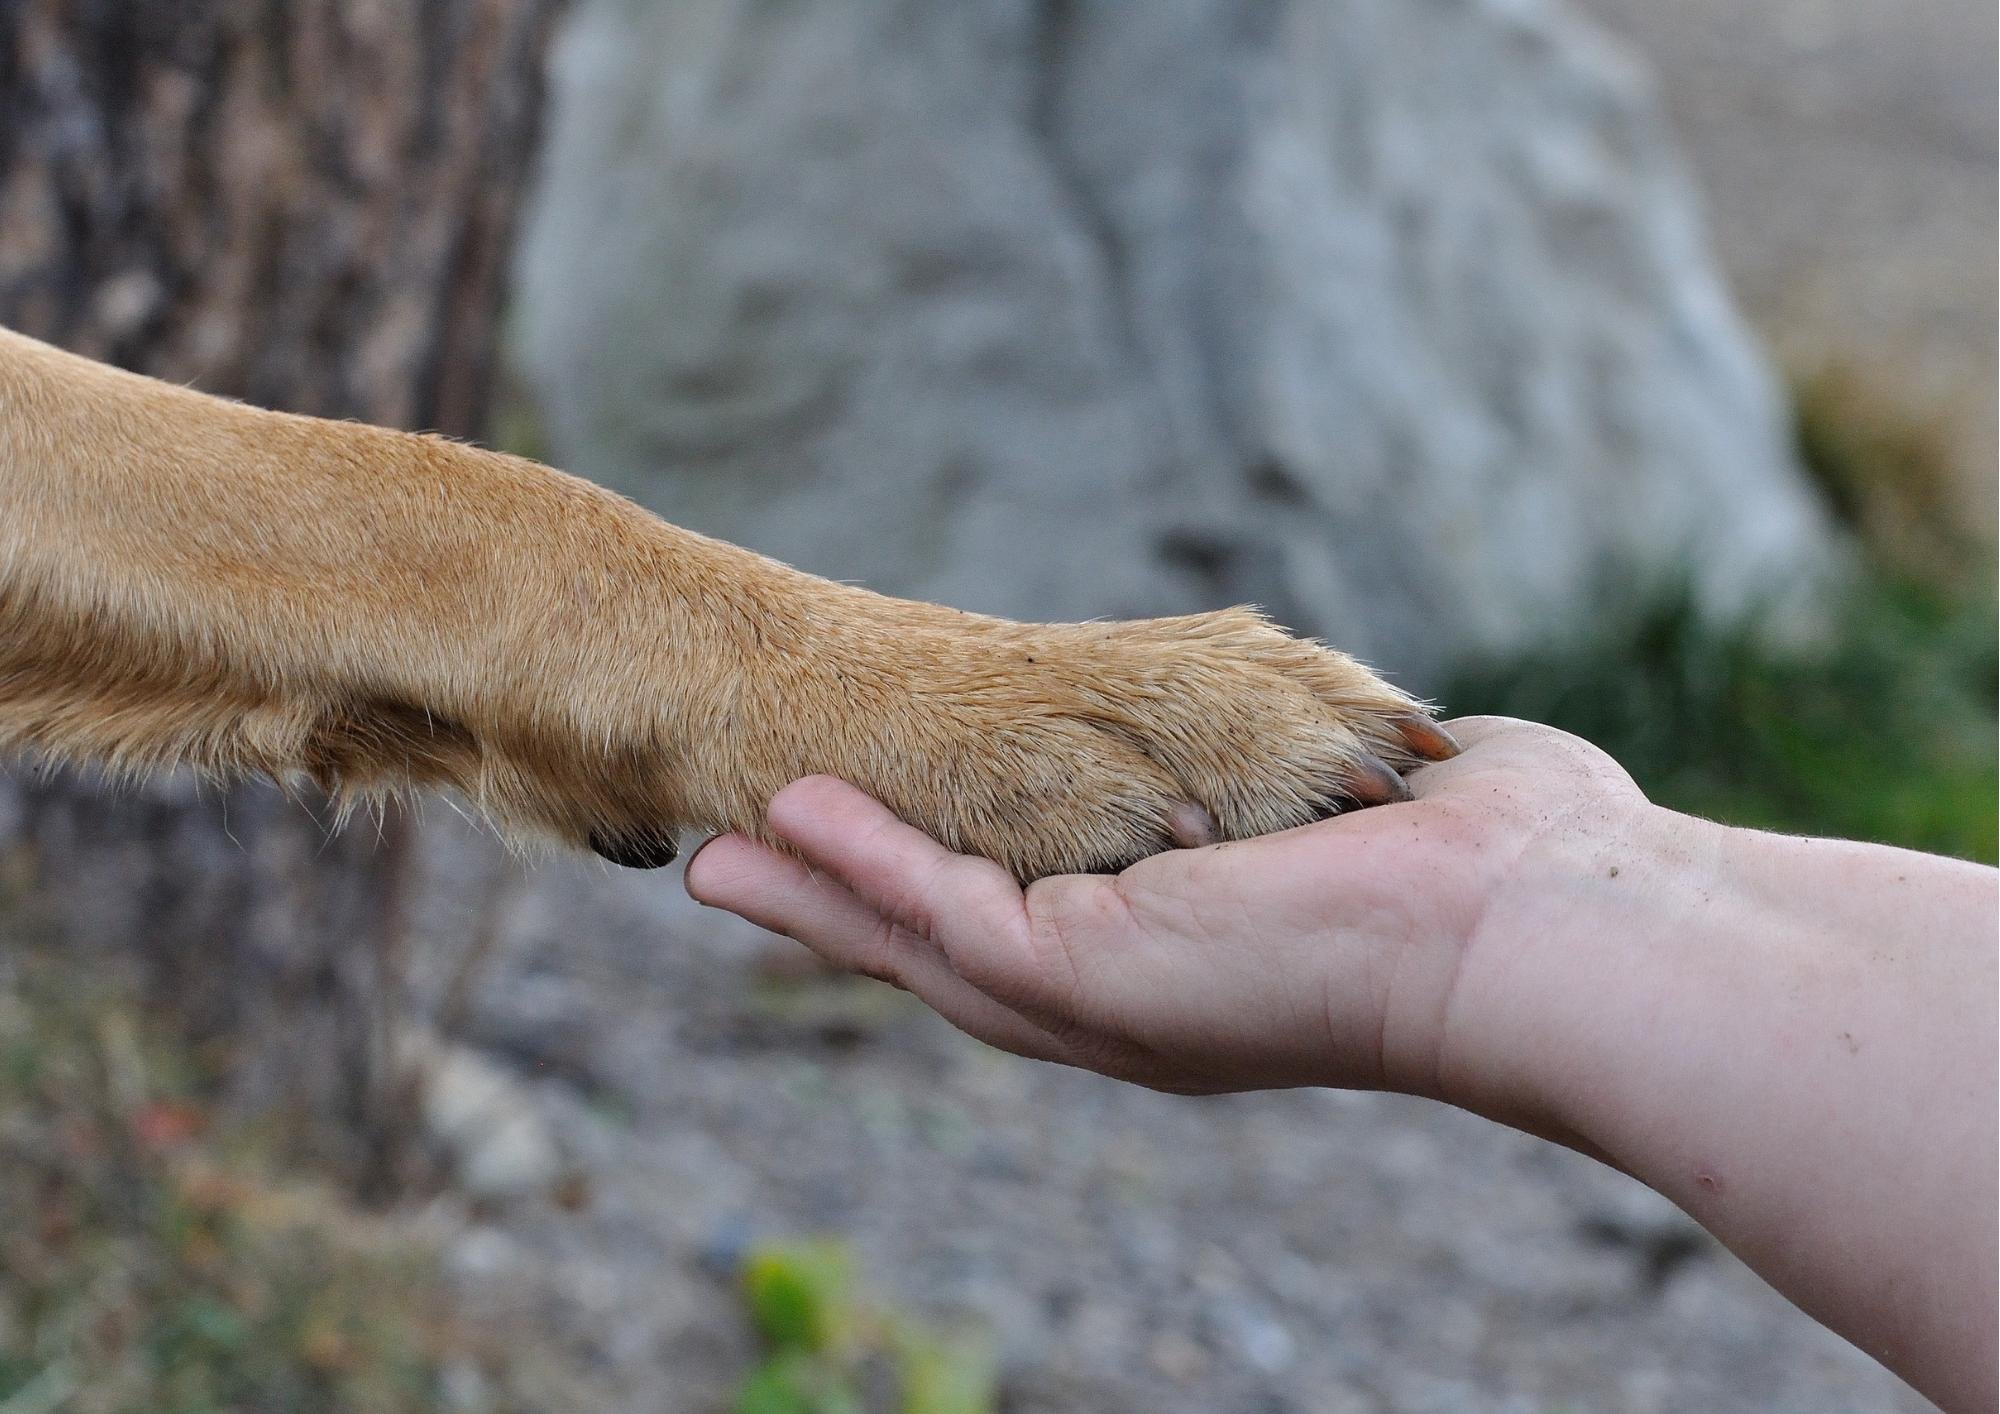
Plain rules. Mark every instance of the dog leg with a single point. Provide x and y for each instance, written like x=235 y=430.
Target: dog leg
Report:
x=189 y=581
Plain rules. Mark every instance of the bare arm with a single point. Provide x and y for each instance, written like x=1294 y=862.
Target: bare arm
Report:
x=1793 y=1039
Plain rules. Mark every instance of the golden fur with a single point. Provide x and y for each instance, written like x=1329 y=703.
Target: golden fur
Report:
x=186 y=580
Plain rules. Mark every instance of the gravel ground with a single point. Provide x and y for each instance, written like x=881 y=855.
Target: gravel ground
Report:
x=1298 y=1251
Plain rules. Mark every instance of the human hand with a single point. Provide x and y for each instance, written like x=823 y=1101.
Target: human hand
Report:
x=1324 y=955
x=1791 y=1038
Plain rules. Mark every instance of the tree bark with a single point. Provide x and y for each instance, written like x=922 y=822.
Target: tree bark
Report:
x=307 y=204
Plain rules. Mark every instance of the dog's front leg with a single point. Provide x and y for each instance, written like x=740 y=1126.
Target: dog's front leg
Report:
x=185 y=580
x=666 y=682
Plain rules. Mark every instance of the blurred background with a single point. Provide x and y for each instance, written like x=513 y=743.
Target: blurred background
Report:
x=1626 y=366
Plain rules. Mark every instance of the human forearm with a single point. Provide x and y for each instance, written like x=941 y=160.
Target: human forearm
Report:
x=1793 y=1039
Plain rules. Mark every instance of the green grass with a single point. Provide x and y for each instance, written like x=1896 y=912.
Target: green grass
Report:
x=1885 y=732
x=1882 y=729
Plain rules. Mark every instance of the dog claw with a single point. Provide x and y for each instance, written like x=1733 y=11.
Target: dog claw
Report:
x=637 y=851
x=1424 y=737
x=1371 y=782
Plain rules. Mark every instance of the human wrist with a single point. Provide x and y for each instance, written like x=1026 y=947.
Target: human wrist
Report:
x=1791 y=1039
x=1584 y=935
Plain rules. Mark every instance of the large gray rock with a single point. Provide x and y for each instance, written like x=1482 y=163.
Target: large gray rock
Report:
x=1395 y=316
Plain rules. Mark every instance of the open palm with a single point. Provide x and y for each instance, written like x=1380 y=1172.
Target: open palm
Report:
x=1325 y=955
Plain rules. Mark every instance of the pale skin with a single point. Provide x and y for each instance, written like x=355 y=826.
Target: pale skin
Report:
x=1793 y=1039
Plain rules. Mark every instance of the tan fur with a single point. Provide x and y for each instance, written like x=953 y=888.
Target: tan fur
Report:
x=190 y=581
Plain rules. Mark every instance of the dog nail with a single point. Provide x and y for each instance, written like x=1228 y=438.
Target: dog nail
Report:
x=640 y=851
x=1424 y=737
x=1371 y=782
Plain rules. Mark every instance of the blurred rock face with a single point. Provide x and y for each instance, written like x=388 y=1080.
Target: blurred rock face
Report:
x=1394 y=316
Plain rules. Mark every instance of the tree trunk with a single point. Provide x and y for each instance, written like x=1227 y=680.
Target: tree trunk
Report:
x=307 y=204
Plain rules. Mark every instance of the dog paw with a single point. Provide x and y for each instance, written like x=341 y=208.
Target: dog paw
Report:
x=1087 y=747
